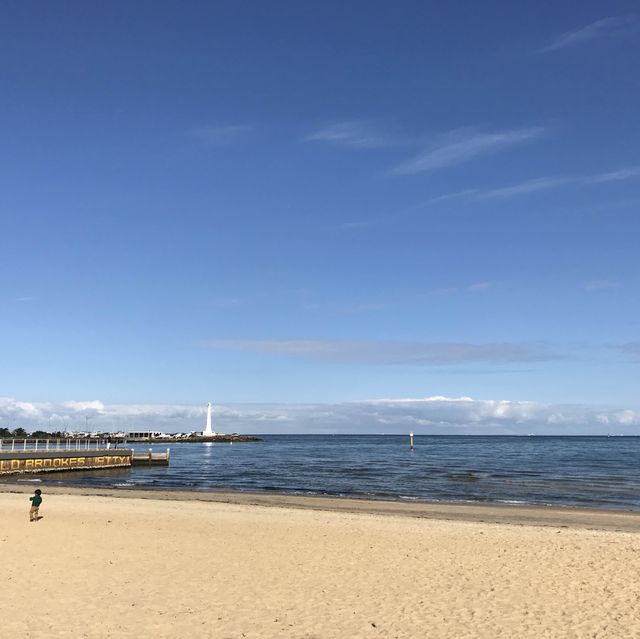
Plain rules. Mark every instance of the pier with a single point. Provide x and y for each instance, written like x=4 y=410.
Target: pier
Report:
x=23 y=456
x=150 y=458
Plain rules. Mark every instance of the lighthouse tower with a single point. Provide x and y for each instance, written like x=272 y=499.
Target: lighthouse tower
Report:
x=207 y=431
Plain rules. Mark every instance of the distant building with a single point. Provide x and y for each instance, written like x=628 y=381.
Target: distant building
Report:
x=144 y=434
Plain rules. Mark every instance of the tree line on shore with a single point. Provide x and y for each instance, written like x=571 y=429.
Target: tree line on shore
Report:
x=21 y=433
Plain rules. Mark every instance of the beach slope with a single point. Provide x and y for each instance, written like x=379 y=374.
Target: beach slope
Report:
x=103 y=566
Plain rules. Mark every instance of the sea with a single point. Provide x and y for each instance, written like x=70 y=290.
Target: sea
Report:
x=594 y=472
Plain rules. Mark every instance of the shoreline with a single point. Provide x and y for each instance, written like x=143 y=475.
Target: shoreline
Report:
x=510 y=514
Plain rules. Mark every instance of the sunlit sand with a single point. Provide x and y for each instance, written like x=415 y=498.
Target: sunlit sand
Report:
x=100 y=566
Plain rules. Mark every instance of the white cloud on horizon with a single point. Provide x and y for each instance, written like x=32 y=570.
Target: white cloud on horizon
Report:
x=427 y=415
x=606 y=27
x=464 y=145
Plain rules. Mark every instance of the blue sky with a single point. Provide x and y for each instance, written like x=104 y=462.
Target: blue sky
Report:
x=319 y=203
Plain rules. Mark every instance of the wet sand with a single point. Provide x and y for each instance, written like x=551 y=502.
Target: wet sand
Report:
x=591 y=518
x=114 y=563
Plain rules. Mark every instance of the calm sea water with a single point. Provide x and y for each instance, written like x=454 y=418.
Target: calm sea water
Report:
x=568 y=471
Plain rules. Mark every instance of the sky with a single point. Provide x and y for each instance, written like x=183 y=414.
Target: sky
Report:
x=321 y=216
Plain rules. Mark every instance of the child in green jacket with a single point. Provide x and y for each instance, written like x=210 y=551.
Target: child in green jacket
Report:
x=36 y=500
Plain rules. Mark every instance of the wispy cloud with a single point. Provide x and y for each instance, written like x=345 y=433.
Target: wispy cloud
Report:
x=211 y=135
x=547 y=183
x=456 y=195
x=471 y=288
x=535 y=185
x=600 y=285
x=351 y=226
x=503 y=192
x=434 y=414
x=480 y=286
x=355 y=134
x=465 y=145
x=353 y=308
x=627 y=173
x=386 y=352
x=632 y=349
x=606 y=27
x=523 y=188
x=227 y=302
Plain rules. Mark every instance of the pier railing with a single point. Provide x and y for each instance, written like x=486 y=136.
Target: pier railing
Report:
x=10 y=445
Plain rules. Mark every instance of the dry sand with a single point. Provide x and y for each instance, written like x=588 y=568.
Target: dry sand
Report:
x=104 y=566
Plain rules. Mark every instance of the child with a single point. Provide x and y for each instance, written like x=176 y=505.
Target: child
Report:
x=36 y=500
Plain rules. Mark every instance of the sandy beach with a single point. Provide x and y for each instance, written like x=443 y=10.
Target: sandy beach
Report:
x=103 y=564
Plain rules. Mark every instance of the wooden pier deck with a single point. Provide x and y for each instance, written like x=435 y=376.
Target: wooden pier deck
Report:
x=150 y=458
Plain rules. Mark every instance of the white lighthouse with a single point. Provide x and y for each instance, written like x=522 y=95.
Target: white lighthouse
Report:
x=207 y=431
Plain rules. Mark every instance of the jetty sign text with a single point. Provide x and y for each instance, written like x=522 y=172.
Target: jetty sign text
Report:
x=62 y=463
